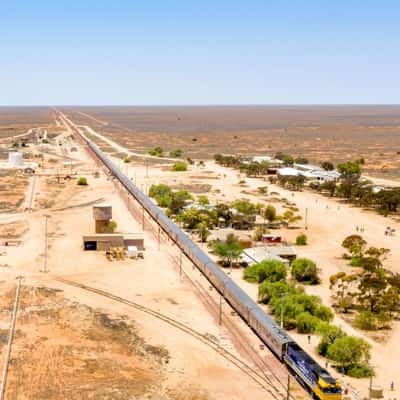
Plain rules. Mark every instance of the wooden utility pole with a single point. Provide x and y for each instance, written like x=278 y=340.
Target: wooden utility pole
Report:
x=45 y=246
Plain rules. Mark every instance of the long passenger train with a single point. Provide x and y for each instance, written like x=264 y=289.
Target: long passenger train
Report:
x=317 y=379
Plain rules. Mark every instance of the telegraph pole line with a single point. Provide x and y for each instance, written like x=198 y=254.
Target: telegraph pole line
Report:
x=10 y=339
x=45 y=246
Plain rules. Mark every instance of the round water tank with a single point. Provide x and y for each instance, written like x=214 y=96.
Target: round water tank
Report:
x=15 y=159
x=376 y=392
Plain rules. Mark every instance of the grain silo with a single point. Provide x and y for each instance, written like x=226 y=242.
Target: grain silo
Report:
x=102 y=214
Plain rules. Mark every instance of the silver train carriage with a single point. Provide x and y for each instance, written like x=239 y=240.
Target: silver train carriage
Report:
x=263 y=325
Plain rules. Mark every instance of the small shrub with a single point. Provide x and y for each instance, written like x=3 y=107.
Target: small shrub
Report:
x=179 y=166
x=176 y=153
x=157 y=152
x=203 y=200
x=127 y=160
x=82 y=181
x=112 y=226
x=360 y=371
x=301 y=240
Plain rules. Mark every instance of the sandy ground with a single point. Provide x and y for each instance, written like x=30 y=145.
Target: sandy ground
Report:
x=329 y=222
x=193 y=370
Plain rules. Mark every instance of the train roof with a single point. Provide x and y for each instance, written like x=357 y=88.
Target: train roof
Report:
x=271 y=325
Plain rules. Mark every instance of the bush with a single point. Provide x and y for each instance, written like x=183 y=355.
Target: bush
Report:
x=157 y=152
x=176 y=153
x=301 y=240
x=366 y=320
x=159 y=190
x=112 y=226
x=127 y=160
x=360 y=371
x=203 y=200
x=270 y=270
x=82 y=181
x=306 y=323
x=369 y=321
x=179 y=166
x=305 y=270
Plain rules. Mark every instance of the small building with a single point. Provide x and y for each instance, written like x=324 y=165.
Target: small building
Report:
x=271 y=238
x=287 y=252
x=106 y=241
x=255 y=255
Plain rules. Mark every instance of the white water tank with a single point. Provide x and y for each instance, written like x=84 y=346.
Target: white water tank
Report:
x=15 y=159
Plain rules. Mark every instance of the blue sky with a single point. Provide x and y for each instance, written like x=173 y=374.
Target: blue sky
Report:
x=199 y=52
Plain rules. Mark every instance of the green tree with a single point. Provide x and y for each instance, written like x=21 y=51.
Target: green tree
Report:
x=290 y=217
x=305 y=270
x=270 y=213
x=228 y=252
x=270 y=270
x=355 y=244
x=349 y=352
x=306 y=323
x=327 y=166
x=329 y=334
x=203 y=231
x=268 y=290
x=349 y=170
x=244 y=206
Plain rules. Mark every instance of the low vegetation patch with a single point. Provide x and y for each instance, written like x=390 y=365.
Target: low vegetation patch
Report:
x=179 y=166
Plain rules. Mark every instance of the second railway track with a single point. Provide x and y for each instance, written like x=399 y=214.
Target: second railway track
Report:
x=250 y=371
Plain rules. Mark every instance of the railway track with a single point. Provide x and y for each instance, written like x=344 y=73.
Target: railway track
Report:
x=247 y=369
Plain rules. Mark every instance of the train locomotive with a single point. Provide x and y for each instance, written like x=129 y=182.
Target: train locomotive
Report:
x=311 y=375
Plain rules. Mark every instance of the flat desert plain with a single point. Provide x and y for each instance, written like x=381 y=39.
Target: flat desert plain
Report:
x=335 y=133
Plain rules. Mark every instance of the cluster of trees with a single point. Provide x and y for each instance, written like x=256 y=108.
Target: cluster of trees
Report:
x=254 y=168
x=179 y=166
x=157 y=152
x=292 y=182
x=288 y=302
x=173 y=200
x=360 y=192
x=290 y=160
x=371 y=290
x=307 y=314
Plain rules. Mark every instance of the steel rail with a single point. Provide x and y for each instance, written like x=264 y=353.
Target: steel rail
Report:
x=232 y=358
